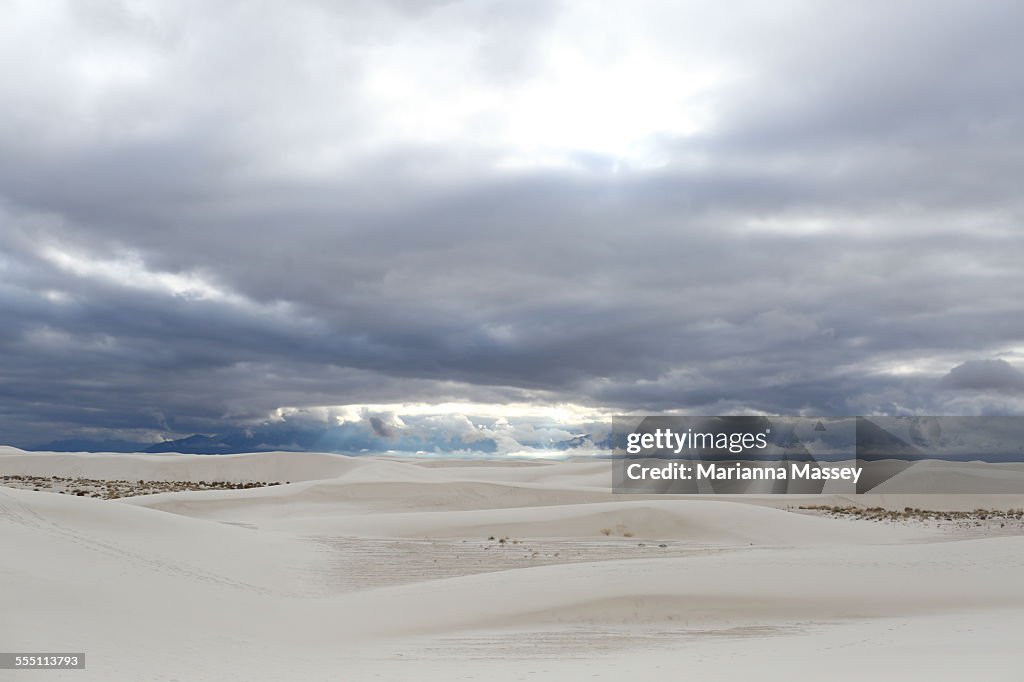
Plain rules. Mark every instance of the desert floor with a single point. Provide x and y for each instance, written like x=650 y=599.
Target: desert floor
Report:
x=185 y=567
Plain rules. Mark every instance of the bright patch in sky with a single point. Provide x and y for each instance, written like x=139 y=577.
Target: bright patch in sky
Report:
x=569 y=108
x=129 y=270
x=566 y=413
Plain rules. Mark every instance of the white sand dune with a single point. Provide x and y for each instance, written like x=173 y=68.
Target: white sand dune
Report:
x=933 y=476
x=382 y=569
x=703 y=520
x=259 y=466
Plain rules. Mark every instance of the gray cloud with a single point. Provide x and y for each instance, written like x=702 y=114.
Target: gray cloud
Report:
x=380 y=428
x=981 y=375
x=209 y=213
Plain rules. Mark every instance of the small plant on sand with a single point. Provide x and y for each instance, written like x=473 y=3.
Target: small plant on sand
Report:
x=606 y=531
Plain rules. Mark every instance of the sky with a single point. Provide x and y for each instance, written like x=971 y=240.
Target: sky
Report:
x=465 y=218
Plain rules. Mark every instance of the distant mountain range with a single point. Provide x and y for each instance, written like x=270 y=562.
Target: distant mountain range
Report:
x=349 y=439
x=259 y=439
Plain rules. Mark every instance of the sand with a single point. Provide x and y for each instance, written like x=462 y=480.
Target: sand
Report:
x=382 y=569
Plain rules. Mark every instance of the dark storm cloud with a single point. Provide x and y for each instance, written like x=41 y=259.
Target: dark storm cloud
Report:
x=380 y=428
x=210 y=212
